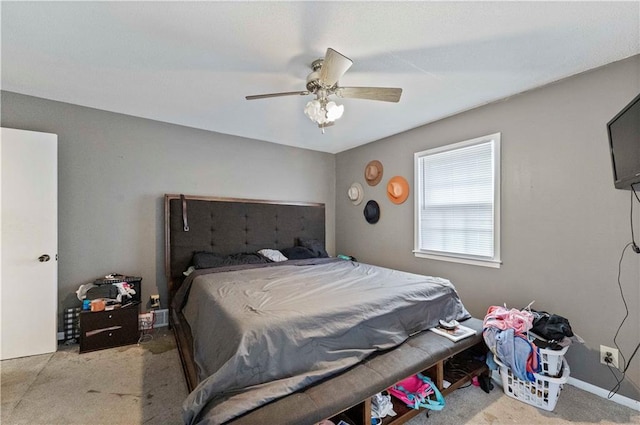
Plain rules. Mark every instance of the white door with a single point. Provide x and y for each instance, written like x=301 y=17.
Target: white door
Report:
x=29 y=244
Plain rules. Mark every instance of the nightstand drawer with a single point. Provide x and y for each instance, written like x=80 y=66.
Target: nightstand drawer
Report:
x=105 y=329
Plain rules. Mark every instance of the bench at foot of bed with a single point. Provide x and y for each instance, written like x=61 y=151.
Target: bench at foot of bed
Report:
x=349 y=393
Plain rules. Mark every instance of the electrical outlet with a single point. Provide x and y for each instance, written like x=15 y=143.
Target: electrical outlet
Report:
x=609 y=356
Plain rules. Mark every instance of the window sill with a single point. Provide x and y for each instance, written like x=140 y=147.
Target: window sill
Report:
x=471 y=261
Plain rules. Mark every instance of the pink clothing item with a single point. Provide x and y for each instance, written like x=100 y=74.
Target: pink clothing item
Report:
x=520 y=321
x=501 y=318
x=533 y=361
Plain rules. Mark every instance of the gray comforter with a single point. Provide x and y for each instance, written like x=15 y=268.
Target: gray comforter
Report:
x=261 y=333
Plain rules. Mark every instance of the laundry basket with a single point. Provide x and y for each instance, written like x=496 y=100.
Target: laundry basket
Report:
x=551 y=361
x=543 y=392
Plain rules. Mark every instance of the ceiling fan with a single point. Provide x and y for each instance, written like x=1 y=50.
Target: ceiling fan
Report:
x=323 y=82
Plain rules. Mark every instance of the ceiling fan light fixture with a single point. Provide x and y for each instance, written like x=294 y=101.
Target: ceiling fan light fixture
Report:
x=322 y=112
x=323 y=82
x=313 y=110
x=334 y=111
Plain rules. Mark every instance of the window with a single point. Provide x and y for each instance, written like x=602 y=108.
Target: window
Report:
x=457 y=201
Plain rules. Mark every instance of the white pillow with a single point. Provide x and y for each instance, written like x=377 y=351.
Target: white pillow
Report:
x=273 y=255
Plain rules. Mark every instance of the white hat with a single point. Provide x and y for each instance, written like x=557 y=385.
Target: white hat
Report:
x=356 y=193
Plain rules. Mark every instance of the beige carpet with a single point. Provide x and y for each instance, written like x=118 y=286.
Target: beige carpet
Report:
x=471 y=405
x=143 y=384
x=136 y=384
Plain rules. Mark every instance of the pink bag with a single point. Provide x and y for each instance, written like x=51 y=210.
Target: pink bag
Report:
x=415 y=391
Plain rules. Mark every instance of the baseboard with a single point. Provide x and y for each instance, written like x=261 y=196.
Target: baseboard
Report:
x=617 y=398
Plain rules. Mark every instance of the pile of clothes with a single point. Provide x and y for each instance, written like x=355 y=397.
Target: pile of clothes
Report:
x=554 y=331
x=505 y=333
x=510 y=335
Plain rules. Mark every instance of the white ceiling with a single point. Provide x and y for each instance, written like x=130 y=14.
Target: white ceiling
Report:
x=192 y=63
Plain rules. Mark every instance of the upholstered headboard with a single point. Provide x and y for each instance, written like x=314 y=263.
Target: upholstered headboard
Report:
x=231 y=225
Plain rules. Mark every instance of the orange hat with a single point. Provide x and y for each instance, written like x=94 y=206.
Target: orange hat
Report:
x=397 y=189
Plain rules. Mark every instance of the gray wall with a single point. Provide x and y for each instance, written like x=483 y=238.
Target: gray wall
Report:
x=563 y=223
x=114 y=170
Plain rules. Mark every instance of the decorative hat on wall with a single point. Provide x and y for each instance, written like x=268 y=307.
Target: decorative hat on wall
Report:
x=356 y=193
x=373 y=172
x=398 y=189
x=372 y=212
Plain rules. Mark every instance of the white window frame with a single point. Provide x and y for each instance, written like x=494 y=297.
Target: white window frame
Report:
x=493 y=261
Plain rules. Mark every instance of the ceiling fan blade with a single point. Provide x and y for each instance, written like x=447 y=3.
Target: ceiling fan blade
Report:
x=333 y=67
x=287 y=93
x=385 y=94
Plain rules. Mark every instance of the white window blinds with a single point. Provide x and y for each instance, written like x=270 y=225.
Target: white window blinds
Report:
x=456 y=199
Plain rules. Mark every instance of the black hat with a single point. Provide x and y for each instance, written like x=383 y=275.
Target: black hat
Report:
x=372 y=212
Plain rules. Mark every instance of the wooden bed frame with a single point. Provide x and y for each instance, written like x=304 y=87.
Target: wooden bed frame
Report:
x=232 y=225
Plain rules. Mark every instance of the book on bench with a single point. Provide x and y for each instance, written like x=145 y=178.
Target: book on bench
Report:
x=456 y=334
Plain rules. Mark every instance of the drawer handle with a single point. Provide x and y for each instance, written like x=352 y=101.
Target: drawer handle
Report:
x=97 y=331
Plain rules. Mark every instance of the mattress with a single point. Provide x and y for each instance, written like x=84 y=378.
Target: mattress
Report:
x=265 y=331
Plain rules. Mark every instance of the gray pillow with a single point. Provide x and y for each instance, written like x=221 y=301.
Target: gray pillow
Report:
x=315 y=246
x=245 y=258
x=207 y=260
x=297 y=253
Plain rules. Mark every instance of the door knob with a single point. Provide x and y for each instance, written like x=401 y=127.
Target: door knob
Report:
x=43 y=258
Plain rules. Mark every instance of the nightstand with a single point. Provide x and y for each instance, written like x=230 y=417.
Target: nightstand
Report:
x=106 y=329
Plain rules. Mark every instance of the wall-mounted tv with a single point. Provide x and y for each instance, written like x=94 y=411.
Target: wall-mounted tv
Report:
x=624 y=144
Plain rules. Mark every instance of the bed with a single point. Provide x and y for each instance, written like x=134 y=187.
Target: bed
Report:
x=255 y=339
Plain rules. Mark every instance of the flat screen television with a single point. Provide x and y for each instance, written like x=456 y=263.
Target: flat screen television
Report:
x=624 y=144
